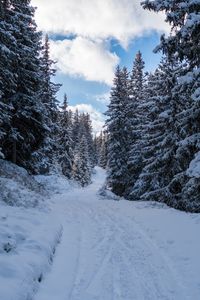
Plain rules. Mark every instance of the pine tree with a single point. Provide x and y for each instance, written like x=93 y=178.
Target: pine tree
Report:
x=99 y=140
x=64 y=140
x=26 y=130
x=81 y=171
x=103 y=153
x=49 y=89
x=87 y=124
x=135 y=121
x=95 y=146
x=75 y=129
x=7 y=77
x=117 y=133
x=45 y=157
x=159 y=136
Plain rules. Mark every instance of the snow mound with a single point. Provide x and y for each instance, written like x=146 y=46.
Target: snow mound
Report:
x=55 y=183
x=18 y=188
x=28 y=239
x=106 y=194
x=30 y=229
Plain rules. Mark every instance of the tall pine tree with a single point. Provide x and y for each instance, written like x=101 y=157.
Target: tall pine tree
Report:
x=26 y=129
x=118 y=133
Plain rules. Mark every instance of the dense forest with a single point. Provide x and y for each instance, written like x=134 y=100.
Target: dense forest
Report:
x=154 y=118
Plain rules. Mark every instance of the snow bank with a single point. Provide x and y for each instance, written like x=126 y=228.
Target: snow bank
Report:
x=29 y=229
x=18 y=188
x=28 y=239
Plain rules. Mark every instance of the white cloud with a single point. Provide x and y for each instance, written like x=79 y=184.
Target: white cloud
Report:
x=103 y=98
x=97 y=118
x=93 y=23
x=97 y=19
x=86 y=58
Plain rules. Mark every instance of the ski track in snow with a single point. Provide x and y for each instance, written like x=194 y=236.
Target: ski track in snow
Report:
x=105 y=255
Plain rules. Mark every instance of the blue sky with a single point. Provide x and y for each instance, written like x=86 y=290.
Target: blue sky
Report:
x=81 y=91
x=89 y=39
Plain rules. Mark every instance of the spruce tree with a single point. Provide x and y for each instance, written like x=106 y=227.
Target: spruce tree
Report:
x=64 y=140
x=95 y=146
x=7 y=77
x=75 y=129
x=81 y=171
x=45 y=158
x=135 y=121
x=103 y=153
x=159 y=136
x=26 y=129
x=87 y=124
x=117 y=133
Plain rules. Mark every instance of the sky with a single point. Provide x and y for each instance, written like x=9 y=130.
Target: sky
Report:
x=89 y=38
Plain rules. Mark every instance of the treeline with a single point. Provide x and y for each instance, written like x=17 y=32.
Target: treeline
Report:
x=35 y=132
x=154 y=119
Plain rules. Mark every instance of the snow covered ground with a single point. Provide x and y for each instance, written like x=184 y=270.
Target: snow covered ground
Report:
x=108 y=250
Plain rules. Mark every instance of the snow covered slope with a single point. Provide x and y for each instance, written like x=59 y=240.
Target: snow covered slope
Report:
x=108 y=250
x=18 y=188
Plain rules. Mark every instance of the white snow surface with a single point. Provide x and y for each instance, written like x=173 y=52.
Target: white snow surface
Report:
x=104 y=250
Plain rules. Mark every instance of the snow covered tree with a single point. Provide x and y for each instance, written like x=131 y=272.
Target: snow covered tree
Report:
x=45 y=157
x=7 y=77
x=135 y=121
x=103 y=151
x=159 y=136
x=137 y=78
x=88 y=135
x=97 y=146
x=81 y=171
x=64 y=139
x=49 y=89
x=117 y=133
x=26 y=129
x=96 y=153
x=183 y=18
x=183 y=43
x=75 y=129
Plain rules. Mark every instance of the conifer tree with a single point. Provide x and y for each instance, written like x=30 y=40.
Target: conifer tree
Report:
x=64 y=140
x=99 y=140
x=135 y=121
x=81 y=171
x=159 y=136
x=89 y=138
x=46 y=156
x=183 y=43
x=95 y=146
x=7 y=77
x=75 y=129
x=26 y=130
x=49 y=89
x=117 y=131
x=103 y=153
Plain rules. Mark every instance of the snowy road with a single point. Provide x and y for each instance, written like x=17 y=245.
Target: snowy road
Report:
x=106 y=254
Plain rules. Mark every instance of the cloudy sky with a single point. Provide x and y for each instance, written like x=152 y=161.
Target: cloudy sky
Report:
x=89 y=38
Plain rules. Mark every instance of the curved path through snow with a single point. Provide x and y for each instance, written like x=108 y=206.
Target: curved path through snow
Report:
x=105 y=255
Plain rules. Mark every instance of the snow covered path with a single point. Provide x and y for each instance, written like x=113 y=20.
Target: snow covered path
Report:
x=108 y=251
